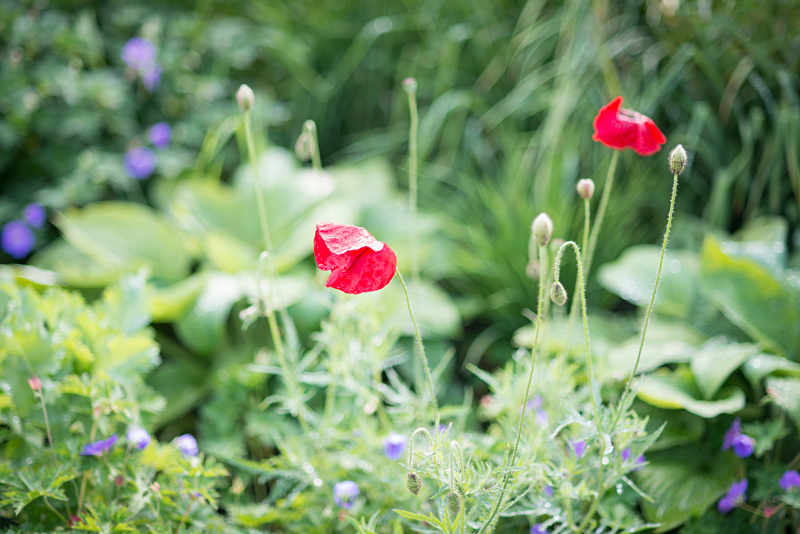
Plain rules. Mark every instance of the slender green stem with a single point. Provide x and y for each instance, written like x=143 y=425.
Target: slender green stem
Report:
x=423 y=430
x=601 y=212
x=86 y=473
x=412 y=177
x=311 y=129
x=539 y=309
x=421 y=349
x=627 y=389
x=185 y=515
x=60 y=516
x=47 y=423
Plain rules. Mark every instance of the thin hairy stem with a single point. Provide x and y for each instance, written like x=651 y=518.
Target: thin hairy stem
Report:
x=413 y=126
x=601 y=213
x=423 y=430
x=539 y=310
x=627 y=389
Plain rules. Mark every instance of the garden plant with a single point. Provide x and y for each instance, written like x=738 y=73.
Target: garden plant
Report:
x=445 y=322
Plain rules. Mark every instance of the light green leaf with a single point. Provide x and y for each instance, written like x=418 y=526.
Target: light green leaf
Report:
x=751 y=297
x=74 y=268
x=761 y=365
x=666 y=342
x=785 y=392
x=716 y=360
x=677 y=390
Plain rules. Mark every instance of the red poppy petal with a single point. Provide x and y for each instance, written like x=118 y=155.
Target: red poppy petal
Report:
x=620 y=128
x=369 y=271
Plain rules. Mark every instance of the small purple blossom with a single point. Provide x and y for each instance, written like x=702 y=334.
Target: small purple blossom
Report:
x=160 y=134
x=789 y=480
x=538 y=529
x=394 y=445
x=548 y=490
x=735 y=496
x=151 y=77
x=139 y=438
x=541 y=418
x=639 y=462
x=35 y=214
x=99 y=447
x=140 y=162
x=345 y=493
x=535 y=403
x=138 y=53
x=17 y=239
x=187 y=445
x=742 y=444
x=625 y=454
x=579 y=446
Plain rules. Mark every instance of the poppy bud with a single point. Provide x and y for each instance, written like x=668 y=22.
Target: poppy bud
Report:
x=245 y=98
x=413 y=483
x=410 y=86
x=558 y=294
x=453 y=502
x=542 y=229
x=586 y=188
x=677 y=160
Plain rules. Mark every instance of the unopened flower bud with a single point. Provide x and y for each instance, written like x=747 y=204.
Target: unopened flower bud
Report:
x=238 y=486
x=245 y=98
x=410 y=86
x=677 y=160
x=558 y=294
x=413 y=483
x=585 y=188
x=489 y=484
x=155 y=486
x=304 y=147
x=35 y=383
x=453 y=502
x=542 y=229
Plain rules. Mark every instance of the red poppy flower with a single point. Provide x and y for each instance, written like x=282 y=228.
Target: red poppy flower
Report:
x=624 y=128
x=358 y=262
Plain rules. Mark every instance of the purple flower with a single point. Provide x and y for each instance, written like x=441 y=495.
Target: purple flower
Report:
x=535 y=403
x=17 y=239
x=742 y=444
x=99 y=447
x=625 y=454
x=187 y=445
x=140 y=162
x=345 y=493
x=160 y=134
x=139 y=437
x=548 y=490
x=789 y=480
x=639 y=462
x=541 y=418
x=538 y=529
x=35 y=214
x=151 y=77
x=579 y=446
x=394 y=445
x=734 y=496
x=138 y=53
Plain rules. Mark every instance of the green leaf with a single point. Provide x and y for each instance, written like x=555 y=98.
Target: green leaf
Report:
x=751 y=297
x=633 y=274
x=684 y=482
x=716 y=360
x=785 y=392
x=765 y=434
x=761 y=365
x=127 y=236
x=677 y=390
x=74 y=268
x=666 y=342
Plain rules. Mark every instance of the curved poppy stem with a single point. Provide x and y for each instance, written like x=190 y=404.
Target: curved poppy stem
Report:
x=421 y=348
x=539 y=311
x=411 y=90
x=623 y=399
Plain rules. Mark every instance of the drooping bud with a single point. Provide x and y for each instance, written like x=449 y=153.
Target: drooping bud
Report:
x=542 y=229
x=410 y=86
x=453 y=502
x=413 y=483
x=245 y=98
x=558 y=294
x=585 y=188
x=677 y=160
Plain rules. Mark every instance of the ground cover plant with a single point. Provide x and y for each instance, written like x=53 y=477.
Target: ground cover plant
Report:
x=195 y=342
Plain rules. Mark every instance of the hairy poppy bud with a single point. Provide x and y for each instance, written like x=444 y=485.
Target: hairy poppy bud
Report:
x=413 y=483
x=677 y=160
x=245 y=98
x=558 y=294
x=453 y=502
x=542 y=229
x=585 y=188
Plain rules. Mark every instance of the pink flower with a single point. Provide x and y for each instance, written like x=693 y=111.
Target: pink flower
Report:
x=358 y=262
x=624 y=128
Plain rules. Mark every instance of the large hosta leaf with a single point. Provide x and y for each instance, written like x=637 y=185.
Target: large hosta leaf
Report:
x=785 y=392
x=716 y=360
x=677 y=390
x=751 y=297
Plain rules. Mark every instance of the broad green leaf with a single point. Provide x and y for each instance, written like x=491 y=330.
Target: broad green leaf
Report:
x=126 y=236
x=677 y=390
x=73 y=267
x=785 y=392
x=679 y=426
x=752 y=298
x=632 y=277
x=666 y=342
x=169 y=303
x=763 y=240
x=202 y=328
x=761 y=365
x=684 y=482
x=716 y=360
